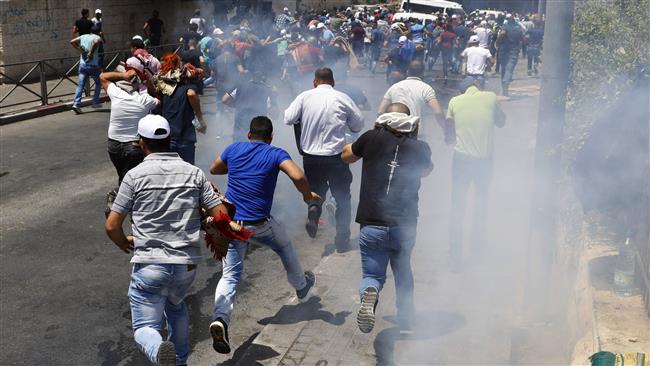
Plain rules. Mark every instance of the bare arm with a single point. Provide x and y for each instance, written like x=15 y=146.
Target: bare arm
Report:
x=218 y=167
x=383 y=105
x=195 y=103
x=299 y=179
x=113 y=227
x=226 y=99
x=437 y=112
x=75 y=43
x=145 y=28
x=106 y=78
x=348 y=156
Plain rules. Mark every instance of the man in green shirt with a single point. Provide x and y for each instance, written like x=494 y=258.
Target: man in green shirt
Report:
x=474 y=115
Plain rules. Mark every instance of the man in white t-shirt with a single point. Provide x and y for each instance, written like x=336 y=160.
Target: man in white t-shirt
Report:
x=128 y=106
x=483 y=33
x=199 y=21
x=415 y=94
x=478 y=60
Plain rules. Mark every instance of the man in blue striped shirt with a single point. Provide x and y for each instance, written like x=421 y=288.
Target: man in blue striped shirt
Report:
x=163 y=195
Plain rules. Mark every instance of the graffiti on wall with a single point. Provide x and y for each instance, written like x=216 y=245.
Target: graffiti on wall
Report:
x=20 y=21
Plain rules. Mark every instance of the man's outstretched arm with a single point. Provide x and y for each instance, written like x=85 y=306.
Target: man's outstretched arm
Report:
x=299 y=179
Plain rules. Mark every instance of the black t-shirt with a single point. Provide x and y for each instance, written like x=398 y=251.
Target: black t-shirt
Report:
x=189 y=34
x=84 y=25
x=193 y=57
x=387 y=200
x=178 y=112
x=251 y=99
x=155 y=27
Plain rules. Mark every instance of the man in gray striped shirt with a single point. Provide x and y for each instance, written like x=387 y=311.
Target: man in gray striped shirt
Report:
x=163 y=195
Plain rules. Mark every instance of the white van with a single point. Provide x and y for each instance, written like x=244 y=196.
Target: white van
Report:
x=432 y=6
x=424 y=18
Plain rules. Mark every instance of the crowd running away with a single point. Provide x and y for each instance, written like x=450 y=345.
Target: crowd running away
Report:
x=250 y=59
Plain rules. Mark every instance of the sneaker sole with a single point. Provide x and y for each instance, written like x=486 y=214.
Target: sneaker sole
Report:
x=312 y=223
x=310 y=293
x=219 y=342
x=166 y=354
x=366 y=314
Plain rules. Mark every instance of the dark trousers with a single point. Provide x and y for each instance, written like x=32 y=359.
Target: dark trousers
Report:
x=533 y=57
x=124 y=156
x=447 y=55
x=331 y=172
x=467 y=170
x=184 y=149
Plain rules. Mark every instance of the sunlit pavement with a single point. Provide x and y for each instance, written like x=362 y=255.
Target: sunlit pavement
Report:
x=63 y=293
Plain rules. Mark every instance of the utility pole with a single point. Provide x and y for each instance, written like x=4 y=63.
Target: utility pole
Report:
x=550 y=129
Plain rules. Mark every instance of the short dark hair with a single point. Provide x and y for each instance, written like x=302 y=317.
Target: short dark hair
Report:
x=416 y=68
x=157 y=145
x=324 y=74
x=261 y=128
x=194 y=27
x=85 y=12
x=137 y=43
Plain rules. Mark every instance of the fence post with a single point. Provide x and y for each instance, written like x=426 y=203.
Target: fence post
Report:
x=41 y=67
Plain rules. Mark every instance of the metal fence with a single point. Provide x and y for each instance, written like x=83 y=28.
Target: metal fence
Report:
x=47 y=78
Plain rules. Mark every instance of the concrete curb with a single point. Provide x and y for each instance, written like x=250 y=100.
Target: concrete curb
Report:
x=44 y=111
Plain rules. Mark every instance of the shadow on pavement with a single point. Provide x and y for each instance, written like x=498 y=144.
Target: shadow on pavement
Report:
x=311 y=310
x=427 y=326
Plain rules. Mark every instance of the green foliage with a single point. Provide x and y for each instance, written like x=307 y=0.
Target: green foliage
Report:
x=610 y=45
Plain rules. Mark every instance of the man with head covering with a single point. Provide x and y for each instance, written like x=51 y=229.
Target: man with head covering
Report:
x=394 y=162
x=483 y=33
x=474 y=115
x=128 y=106
x=478 y=60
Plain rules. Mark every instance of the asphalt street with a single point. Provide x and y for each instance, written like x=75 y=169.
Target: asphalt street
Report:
x=64 y=284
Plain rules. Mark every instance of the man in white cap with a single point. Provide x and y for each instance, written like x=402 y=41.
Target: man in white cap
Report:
x=394 y=161
x=163 y=195
x=483 y=33
x=479 y=59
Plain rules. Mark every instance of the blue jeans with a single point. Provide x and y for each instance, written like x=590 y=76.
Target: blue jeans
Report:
x=86 y=71
x=156 y=293
x=185 y=149
x=271 y=234
x=380 y=245
x=509 y=62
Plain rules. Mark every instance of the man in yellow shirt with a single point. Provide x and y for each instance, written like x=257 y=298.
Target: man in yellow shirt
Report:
x=474 y=115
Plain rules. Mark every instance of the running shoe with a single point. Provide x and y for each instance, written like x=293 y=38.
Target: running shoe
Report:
x=313 y=214
x=366 y=314
x=166 y=354
x=304 y=294
x=219 y=332
x=76 y=109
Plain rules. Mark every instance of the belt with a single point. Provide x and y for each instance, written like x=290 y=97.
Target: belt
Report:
x=253 y=222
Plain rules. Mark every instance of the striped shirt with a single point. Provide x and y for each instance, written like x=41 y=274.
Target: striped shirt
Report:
x=164 y=195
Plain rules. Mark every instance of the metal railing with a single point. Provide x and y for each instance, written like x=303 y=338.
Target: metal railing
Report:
x=35 y=79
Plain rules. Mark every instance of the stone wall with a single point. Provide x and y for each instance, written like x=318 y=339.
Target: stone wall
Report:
x=39 y=29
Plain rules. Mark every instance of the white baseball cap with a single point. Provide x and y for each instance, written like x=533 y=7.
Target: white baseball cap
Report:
x=402 y=39
x=320 y=25
x=153 y=126
x=473 y=39
x=138 y=37
x=483 y=22
x=217 y=32
x=98 y=11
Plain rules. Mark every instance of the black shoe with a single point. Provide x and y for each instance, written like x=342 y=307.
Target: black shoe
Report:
x=110 y=198
x=76 y=109
x=366 y=313
x=166 y=354
x=304 y=293
x=313 y=214
x=219 y=332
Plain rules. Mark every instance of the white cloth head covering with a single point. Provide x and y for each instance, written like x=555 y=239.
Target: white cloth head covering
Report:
x=400 y=122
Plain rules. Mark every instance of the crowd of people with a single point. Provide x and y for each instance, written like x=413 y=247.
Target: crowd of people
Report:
x=156 y=113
